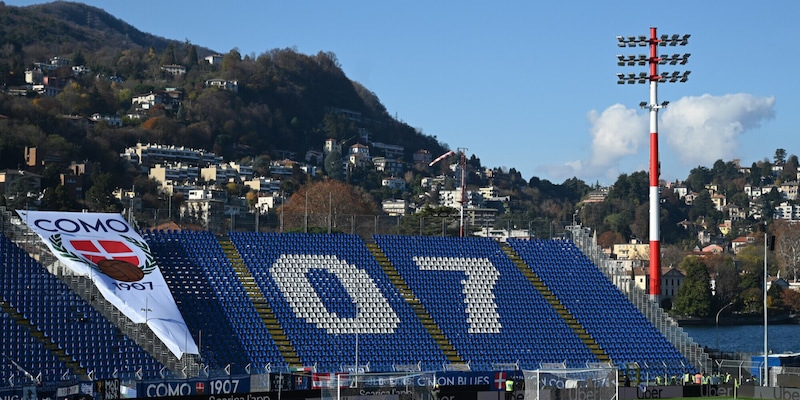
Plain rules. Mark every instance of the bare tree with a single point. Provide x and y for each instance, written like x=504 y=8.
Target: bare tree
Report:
x=787 y=247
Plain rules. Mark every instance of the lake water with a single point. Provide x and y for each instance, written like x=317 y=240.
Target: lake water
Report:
x=748 y=338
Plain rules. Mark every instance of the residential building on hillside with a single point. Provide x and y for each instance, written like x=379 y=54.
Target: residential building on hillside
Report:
x=214 y=59
x=787 y=211
x=433 y=183
x=398 y=207
x=264 y=185
x=268 y=202
x=422 y=156
x=174 y=69
x=331 y=145
x=34 y=76
x=394 y=183
x=169 y=99
x=480 y=217
x=205 y=207
x=221 y=174
x=170 y=173
x=111 y=120
x=489 y=192
x=53 y=64
x=128 y=199
x=19 y=183
x=671 y=281
x=452 y=198
x=788 y=190
x=680 y=190
x=224 y=84
x=391 y=151
x=596 y=196
x=741 y=241
x=388 y=165
x=149 y=155
x=634 y=250
x=719 y=200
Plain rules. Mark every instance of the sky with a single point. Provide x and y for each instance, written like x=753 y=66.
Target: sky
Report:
x=532 y=85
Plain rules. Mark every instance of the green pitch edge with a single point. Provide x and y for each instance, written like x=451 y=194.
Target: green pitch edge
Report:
x=427 y=321
x=554 y=302
x=260 y=302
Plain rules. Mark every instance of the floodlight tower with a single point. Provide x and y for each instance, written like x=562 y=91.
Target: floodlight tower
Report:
x=653 y=60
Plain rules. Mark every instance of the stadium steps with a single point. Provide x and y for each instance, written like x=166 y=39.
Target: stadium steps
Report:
x=422 y=314
x=554 y=302
x=259 y=302
x=45 y=340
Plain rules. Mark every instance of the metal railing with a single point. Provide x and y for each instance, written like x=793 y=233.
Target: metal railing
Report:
x=587 y=242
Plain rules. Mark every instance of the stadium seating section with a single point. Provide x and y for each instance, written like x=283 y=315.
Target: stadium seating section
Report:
x=339 y=304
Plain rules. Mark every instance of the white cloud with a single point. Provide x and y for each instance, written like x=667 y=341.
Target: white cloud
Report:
x=700 y=129
x=616 y=132
x=708 y=128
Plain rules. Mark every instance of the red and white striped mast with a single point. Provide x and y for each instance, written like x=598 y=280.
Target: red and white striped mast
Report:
x=653 y=77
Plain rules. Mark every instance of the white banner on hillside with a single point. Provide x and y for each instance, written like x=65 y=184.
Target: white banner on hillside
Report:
x=119 y=262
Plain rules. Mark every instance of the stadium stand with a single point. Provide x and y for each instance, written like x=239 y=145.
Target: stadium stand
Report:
x=332 y=301
x=617 y=325
x=47 y=329
x=459 y=273
x=314 y=316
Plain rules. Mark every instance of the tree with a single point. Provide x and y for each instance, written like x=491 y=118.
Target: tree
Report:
x=698 y=178
x=334 y=166
x=791 y=300
x=694 y=296
x=99 y=197
x=329 y=199
x=608 y=239
x=780 y=156
x=787 y=248
x=726 y=282
x=432 y=221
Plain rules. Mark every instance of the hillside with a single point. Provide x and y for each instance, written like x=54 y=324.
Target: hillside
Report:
x=284 y=103
x=44 y=30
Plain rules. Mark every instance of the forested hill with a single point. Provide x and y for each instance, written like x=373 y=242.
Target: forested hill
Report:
x=72 y=25
x=285 y=102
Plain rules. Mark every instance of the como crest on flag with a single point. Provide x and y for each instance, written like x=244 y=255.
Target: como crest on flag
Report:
x=96 y=250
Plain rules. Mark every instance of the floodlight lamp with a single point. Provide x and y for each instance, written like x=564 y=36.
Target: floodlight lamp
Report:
x=675 y=36
x=664 y=103
x=643 y=104
x=620 y=57
x=642 y=38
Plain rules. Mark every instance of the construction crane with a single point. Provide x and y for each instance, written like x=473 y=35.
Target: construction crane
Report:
x=463 y=201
